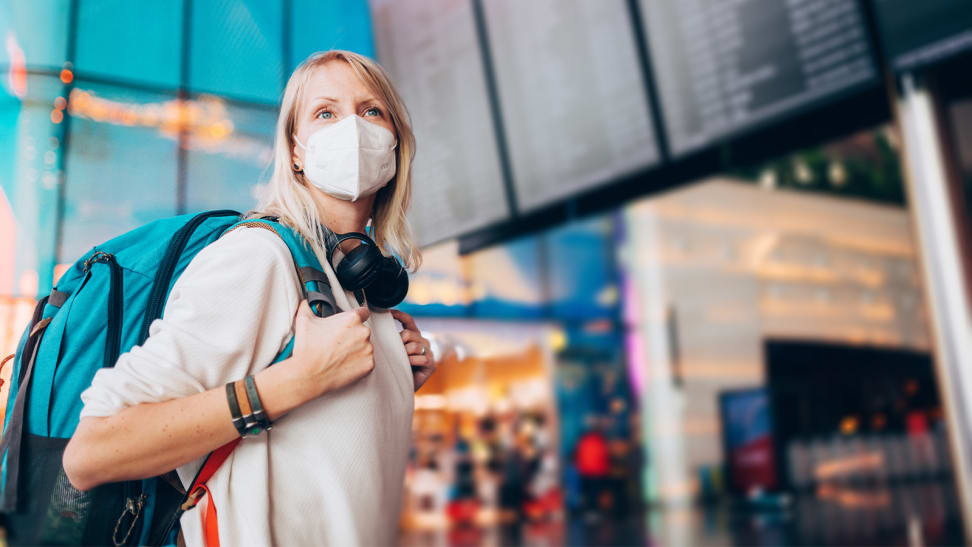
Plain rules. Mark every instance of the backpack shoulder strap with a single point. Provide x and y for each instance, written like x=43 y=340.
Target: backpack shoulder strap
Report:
x=314 y=284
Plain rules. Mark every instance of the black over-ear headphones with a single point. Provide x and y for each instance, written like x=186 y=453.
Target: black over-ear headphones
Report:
x=382 y=278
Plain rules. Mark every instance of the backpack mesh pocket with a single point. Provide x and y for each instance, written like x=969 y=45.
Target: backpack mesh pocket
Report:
x=52 y=511
x=67 y=513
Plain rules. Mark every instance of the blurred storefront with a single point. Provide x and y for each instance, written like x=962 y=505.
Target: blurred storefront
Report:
x=723 y=269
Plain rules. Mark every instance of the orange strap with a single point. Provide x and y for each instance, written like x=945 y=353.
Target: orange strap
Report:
x=209 y=524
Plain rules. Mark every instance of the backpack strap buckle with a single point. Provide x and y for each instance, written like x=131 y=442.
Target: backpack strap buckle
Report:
x=193 y=499
x=98 y=256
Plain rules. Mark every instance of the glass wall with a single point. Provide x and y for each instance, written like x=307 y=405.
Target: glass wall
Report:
x=120 y=113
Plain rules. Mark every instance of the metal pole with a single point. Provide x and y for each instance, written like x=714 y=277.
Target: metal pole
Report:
x=947 y=294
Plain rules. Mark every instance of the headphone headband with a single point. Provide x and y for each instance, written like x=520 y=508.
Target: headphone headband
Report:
x=367 y=268
x=334 y=240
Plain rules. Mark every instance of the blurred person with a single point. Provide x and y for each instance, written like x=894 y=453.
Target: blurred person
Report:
x=342 y=403
x=427 y=491
x=513 y=494
x=463 y=505
x=593 y=465
x=620 y=474
x=573 y=490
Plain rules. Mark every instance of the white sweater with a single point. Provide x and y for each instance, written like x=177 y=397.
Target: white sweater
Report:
x=332 y=470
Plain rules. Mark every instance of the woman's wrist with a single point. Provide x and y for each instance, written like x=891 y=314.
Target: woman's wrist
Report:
x=282 y=388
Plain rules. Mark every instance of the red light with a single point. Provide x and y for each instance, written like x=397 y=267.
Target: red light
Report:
x=17 y=73
x=67 y=76
x=60 y=103
x=57 y=116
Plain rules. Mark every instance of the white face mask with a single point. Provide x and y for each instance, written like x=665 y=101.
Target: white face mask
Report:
x=350 y=159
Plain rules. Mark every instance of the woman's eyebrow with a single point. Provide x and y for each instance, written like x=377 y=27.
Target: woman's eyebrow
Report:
x=358 y=102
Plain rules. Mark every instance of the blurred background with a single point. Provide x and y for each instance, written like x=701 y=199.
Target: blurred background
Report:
x=698 y=271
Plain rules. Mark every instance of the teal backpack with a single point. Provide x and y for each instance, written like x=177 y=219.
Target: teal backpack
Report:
x=102 y=307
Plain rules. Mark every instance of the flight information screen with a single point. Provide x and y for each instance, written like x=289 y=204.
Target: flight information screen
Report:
x=431 y=50
x=723 y=66
x=916 y=33
x=571 y=93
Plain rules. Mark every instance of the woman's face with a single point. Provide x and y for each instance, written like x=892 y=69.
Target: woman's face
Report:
x=334 y=92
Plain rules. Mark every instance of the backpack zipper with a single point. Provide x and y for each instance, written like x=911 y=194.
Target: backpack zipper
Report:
x=115 y=308
x=163 y=276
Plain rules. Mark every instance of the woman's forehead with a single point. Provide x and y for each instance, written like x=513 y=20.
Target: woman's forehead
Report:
x=336 y=81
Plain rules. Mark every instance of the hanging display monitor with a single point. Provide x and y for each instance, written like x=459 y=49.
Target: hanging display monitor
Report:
x=431 y=50
x=721 y=67
x=572 y=95
x=916 y=33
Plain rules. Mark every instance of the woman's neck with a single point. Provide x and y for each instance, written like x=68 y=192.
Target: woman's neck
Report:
x=343 y=216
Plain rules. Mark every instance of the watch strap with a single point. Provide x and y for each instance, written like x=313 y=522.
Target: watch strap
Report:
x=254 y=399
x=234 y=406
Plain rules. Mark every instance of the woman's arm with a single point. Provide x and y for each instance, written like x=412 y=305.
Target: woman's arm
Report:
x=152 y=438
x=163 y=404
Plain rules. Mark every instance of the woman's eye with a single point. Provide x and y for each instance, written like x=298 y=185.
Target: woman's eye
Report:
x=373 y=111
x=325 y=114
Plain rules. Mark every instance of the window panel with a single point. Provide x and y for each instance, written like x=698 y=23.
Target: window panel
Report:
x=507 y=281
x=348 y=27
x=121 y=164
x=237 y=49
x=223 y=171
x=28 y=184
x=38 y=29
x=114 y=41
x=582 y=277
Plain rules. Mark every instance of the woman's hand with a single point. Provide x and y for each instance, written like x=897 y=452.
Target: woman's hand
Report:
x=419 y=349
x=333 y=351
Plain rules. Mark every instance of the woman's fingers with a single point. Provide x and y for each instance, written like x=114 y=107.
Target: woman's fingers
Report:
x=409 y=335
x=406 y=320
x=413 y=348
x=418 y=348
x=419 y=360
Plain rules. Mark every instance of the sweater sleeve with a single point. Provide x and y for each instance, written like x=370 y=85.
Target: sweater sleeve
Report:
x=228 y=315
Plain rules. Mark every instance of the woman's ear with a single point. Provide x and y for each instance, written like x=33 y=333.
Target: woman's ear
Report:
x=296 y=164
x=295 y=161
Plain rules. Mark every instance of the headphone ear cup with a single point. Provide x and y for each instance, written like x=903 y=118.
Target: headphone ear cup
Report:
x=391 y=285
x=359 y=267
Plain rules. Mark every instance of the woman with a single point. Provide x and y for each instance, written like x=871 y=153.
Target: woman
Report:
x=331 y=469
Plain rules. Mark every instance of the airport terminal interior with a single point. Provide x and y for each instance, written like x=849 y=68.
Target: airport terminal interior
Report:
x=683 y=261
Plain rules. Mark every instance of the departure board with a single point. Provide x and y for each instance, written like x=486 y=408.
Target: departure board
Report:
x=572 y=95
x=722 y=66
x=915 y=33
x=431 y=50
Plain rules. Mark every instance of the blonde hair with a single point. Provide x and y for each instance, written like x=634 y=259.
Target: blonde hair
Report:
x=288 y=195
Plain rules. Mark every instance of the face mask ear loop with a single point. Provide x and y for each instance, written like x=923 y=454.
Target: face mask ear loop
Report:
x=300 y=144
